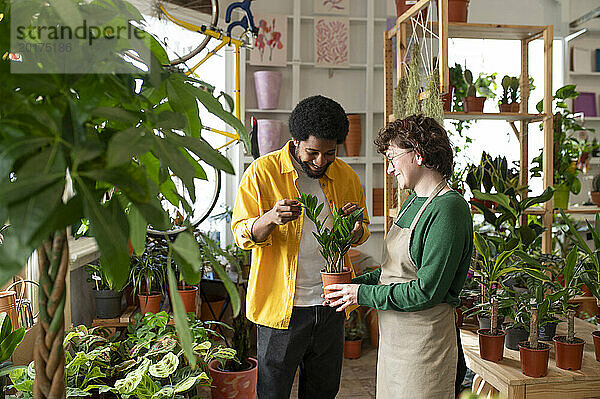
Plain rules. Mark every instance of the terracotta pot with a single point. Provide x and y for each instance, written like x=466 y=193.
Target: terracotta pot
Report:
x=129 y=298
x=458 y=10
x=596 y=337
x=568 y=355
x=352 y=349
x=216 y=304
x=150 y=304
x=353 y=139
x=267 y=85
x=596 y=197
x=459 y=317
x=403 y=5
x=269 y=134
x=585 y=291
x=505 y=107
x=373 y=322
x=534 y=362
x=188 y=296
x=344 y=277
x=233 y=384
x=514 y=107
x=473 y=104
x=491 y=347
x=447 y=99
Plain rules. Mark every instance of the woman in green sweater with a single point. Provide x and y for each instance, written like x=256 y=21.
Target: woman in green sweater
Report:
x=425 y=262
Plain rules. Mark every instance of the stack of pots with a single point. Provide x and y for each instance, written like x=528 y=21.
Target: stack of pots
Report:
x=268 y=85
x=353 y=140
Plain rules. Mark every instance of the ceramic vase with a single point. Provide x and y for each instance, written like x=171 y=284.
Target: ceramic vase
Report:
x=353 y=139
x=269 y=133
x=268 y=85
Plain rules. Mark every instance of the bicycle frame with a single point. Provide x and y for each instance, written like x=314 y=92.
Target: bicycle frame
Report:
x=225 y=40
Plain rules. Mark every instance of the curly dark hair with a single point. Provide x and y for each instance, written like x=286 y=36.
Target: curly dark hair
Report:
x=320 y=117
x=422 y=134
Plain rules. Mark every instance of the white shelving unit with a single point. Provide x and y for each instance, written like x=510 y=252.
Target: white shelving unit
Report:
x=356 y=88
x=586 y=82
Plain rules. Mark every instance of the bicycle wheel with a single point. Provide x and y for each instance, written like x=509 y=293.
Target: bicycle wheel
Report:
x=207 y=195
x=182 y=19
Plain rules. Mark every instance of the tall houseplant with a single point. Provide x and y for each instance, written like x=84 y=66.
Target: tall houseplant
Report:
x=66 y=140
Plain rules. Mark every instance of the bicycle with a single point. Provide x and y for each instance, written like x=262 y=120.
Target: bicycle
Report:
x=185 y=14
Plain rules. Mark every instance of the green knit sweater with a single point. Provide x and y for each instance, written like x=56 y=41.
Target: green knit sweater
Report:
x=441 y=248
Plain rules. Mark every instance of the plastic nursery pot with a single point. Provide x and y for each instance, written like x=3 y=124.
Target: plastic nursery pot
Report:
x=108 y=303
x=188 y=296
x=568 y=355
x=534 y=362
x=486 y=323
x=233 y=384
x=548 y=331
x=150 y=303
x=596 y=337
x=473 y=104
x=352 y=349
x=344 y=277
x=514 y=336
x=491 y=347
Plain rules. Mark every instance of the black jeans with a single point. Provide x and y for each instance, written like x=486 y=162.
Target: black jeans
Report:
x=315 y=342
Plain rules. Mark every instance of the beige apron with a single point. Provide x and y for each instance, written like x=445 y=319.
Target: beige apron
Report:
x=417 y=350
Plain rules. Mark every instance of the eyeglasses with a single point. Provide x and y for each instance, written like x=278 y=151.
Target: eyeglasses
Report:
x=391 y=159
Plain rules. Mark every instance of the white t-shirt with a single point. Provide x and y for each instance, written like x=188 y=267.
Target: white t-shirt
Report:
x=310 y=262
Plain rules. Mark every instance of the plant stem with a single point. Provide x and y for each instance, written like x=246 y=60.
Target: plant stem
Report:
x=570 y=325
x=494 y=317
x=533 y=329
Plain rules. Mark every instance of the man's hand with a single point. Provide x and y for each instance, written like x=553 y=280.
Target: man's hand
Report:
x=284 y=211
x=358 y=229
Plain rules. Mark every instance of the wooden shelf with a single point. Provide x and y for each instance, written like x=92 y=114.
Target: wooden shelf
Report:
x=589 y=74
x=495 y=116
x=465 y=30
x=268 y=111
x=82 y=251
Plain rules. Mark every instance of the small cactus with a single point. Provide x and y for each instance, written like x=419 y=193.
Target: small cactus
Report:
x=468 y=75
x=471 y=90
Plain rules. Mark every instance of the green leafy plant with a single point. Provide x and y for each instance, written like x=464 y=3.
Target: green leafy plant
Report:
x=334 y=242
x=9 y=340
x=567 y=148
x=98 y=277
x=354 y=326
x=510 y=89
x=148 y=275
x=484 y=85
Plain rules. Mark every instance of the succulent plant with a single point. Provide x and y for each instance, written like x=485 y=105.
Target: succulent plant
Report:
x=471 y=89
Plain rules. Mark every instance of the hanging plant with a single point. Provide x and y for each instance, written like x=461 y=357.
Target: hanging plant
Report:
x=399 y=101
x=432 y=104
x=414 y=82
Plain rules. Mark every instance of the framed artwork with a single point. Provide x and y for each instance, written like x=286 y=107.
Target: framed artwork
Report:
x=332 y=36
x=270 y=46
x=334 y=7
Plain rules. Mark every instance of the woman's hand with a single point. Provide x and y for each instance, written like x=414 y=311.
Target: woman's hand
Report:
x=343 y=296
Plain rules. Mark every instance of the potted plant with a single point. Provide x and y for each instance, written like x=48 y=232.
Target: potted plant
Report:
x=510 y=94
x=595 y=194
x=354 y=331
x=107 y=300
x=69 y=144
x=9 y=340
x=534 y=354
x=148 y=279
x=334 y=242
x=458 y=87
x=567 y=148
x=569 y=349
x=491 y=340
x=472 y=102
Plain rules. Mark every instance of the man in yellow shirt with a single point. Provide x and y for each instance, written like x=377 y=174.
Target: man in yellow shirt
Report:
x=284 y=289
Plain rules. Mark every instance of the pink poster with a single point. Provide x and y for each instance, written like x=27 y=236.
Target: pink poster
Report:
x=270 y=47
x=332 y=36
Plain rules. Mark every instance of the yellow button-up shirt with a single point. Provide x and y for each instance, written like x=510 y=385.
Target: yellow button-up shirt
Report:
x=270 y=296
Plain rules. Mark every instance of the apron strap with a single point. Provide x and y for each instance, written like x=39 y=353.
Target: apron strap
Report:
x=433 y=194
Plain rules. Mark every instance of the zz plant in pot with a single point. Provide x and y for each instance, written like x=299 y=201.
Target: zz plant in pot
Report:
x=107 y=300
x=335 y=241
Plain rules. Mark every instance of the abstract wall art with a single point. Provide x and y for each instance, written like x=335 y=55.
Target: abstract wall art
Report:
x=332 y=36
x=335 y=7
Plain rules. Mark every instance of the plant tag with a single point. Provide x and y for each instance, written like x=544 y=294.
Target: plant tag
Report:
x=96 y=277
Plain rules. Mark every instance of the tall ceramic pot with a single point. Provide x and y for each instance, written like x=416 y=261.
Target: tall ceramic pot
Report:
x=458 y=10
x=269 y=134
x=233 y=384
x=267 y=85
x=353 y=139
